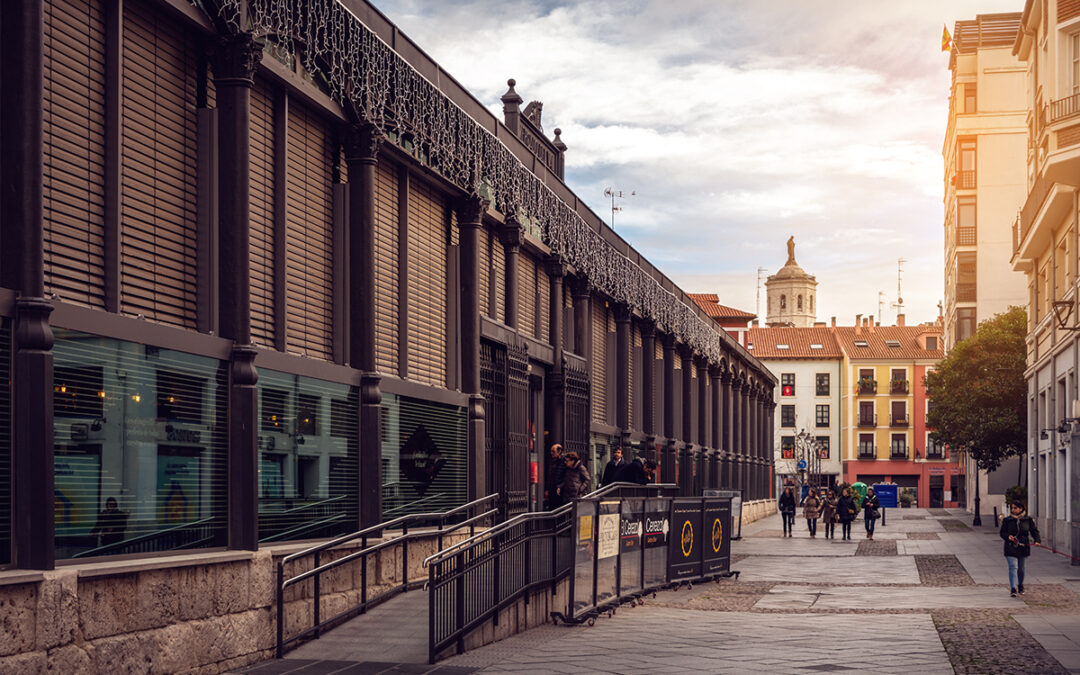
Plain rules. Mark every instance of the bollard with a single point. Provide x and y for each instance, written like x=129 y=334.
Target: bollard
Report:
x=996 y=523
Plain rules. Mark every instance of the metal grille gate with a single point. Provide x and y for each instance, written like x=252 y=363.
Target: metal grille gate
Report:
x=504 y=383
x=576 y=430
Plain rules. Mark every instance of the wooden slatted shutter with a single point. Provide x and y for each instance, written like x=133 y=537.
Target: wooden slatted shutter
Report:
x=544 y=303
x=427 y=285
x=498 y=269
x=309 y=221
x=527 y=294
x=599 y=361
x=73 y=175
x=262 y=215
x=386 y=267
x=634 y=379
x=159 y=164
x=484 y=275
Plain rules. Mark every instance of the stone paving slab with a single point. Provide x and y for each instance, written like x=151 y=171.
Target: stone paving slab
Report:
x=886 y=597
x=795 y=546
x=668 y=640
x=1059 y=635
x=809 y=570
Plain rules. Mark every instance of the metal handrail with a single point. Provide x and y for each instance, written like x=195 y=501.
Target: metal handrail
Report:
x=402 y=539
x=535 y=515
x=149 y=536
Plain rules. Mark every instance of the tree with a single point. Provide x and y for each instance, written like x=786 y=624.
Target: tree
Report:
x=978 y=392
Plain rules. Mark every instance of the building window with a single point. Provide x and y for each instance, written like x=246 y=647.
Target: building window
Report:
x=787 y=447
x=823 y=447
x=822 y=384
x=965 y=323
x=783 y=301
x=970 y=97
x=931 y=343
x=898 y=382
x=787 y=416
x=867 y=418
x=934 y=450
x=866 y=446
x=821 y=415
x=965 y=165
x=899 y=414
x=799 y=302
x=140 y=448
x=866 y=383
x=898 y=445
x=787 y=384
x=1074 y=63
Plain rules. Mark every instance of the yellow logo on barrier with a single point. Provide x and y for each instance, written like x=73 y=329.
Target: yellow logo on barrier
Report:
x=717 y=535
x=687 y=539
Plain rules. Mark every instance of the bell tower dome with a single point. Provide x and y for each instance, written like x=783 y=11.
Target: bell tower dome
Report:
x=791 y=294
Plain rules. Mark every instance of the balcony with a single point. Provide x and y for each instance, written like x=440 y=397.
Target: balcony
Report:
x=898 y=452
x=935 y=454
x=965 y=236
x=965 y=292
x=899 y=386
x=899 y=421
x=965 y=180
x=867 y=386
x=868 y=420
x=867 y=451
x=1064 y=108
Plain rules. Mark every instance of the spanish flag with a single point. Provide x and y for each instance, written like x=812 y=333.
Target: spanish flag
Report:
x=946 y=39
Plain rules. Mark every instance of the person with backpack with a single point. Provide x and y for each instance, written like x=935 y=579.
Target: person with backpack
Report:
x=871 y=512
x=845 y=511
x=1019 y=531
x=812 y=511
x=787 y=510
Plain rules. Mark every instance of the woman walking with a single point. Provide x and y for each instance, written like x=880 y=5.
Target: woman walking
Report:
x=787 y=510
x=811 y=511
x=871 y=512
x=828 y=514
x=576 y=480
x=1019 y=531
x=845 y=511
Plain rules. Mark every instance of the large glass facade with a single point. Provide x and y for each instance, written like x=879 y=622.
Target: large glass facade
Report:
x=308 y=457
x=139 y=448
x=424 y=456
x=5 y=441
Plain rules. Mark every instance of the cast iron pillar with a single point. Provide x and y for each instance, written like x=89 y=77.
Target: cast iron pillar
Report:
x=648 y=384
x=470 y=219
x=583 y=319
x=556 y=385
x=362 y=142
x=667 y=456
x=235 y=61
x=622 y=374
x=716 y=401
x=512 y=237
x=686 y=457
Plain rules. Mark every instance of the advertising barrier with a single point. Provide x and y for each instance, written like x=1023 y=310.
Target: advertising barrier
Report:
x=684 y=553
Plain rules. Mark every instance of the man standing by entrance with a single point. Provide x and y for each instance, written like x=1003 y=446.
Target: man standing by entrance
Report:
x=553 y=477
x=612 y=467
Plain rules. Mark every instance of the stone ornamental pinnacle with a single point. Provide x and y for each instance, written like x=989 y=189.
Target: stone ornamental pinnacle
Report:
x=791 y=294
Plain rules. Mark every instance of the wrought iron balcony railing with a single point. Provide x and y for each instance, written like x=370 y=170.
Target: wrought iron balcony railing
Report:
x=867 y=451
x=898 y=386
x=868 y=420
x=898 y=421
x=898 y=452
x=867 y=386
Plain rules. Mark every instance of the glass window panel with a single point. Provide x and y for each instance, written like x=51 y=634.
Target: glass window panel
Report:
x=787 y=415
x=424 y=456
x=140 y=448
x=308 y=470
x=822 y=388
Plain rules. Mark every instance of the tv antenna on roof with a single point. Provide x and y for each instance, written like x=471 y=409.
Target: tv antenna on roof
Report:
x=613 y=193
x=899 y=304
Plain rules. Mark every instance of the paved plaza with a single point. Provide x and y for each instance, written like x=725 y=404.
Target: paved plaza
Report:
x=929 y=595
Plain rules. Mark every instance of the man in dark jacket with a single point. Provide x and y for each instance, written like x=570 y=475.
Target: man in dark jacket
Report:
x=1019 y=531
x=556 y=469
x=612 y=467
x=640 y=471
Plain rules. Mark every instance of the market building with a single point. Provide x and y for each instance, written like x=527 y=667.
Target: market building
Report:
x=268 y=274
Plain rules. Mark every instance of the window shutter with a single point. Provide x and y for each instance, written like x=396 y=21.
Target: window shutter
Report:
x=386 y=267
x=484 y=276
x=427 y=285
x=544 y=309
x=262 y=215
x=527 y=294
x=308 y=236
x=498 y=268
x=74 y=156
x=159 y=162
x=599 y=361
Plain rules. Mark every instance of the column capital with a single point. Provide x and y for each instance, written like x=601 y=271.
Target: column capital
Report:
x=235 y=60
x=471 y=210
x=242 y=366
x=361 y=143
x=512 y=234
x=622 y=312
x=556 y=267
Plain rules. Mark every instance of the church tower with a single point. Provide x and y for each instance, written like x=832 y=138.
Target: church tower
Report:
x=791 y=294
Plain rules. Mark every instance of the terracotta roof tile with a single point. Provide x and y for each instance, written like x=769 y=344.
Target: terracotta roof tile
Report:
x=710 y=303
x=798 y=341
x=905 y=339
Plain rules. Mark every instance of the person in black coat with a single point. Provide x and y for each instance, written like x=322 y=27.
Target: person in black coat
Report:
x=640 y=471
x=787 y=509
x=845 y=511
x=1019 y=531
x=554 y=477
x=871 y=512
x=612 y=467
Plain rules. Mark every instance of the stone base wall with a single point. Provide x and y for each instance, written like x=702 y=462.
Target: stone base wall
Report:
x=197 y=613
x=757 y=510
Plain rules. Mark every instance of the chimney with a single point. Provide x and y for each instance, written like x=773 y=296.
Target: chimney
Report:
x=858 y=324
x=834 y=322
x=754 y=323
x=900 y=319
x=819 y=324
x=871 y=320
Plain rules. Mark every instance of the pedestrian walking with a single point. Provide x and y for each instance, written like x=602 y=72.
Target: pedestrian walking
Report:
x=1019 y=531
x=787 y=510
x=871 y=512
x=845 y=511
x=828 y=513
x=553 y=479
x=812 y=511
x=612 y=467
x=576 y=480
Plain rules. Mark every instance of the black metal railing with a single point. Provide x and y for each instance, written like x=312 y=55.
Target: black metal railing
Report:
x=867 y=451
x=866 y=386
x=868 y=420
x=471 y=581
x=303 y=521
x=898 y=452
x=196 y=534
x=440 y=520
x=898 y=386
x=901 y=421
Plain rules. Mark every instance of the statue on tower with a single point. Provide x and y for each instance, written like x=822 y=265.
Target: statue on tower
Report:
x=791 y=250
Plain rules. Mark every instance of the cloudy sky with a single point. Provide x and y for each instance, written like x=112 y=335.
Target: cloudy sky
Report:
x=737 y=124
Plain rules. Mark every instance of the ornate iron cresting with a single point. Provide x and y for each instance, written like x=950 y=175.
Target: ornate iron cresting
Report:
x=379 y=87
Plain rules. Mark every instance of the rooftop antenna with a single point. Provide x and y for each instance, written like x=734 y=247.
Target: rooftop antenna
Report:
x=613 y=193
x=761 y=271
x=880 y=305
x=899 y=304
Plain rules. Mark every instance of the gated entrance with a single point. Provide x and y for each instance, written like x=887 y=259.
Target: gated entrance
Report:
x=504 y=383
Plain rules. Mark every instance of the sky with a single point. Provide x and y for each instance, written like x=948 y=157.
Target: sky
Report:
x=736 y=125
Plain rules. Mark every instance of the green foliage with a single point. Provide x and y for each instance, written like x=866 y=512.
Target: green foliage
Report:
x=978 y=392
x=907 y=496
x=1013 y=493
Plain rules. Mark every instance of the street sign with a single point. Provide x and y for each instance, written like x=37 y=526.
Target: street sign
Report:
x=802 y=465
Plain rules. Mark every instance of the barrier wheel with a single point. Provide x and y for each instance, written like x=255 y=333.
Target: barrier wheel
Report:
x=654 y=595
x=591 y=622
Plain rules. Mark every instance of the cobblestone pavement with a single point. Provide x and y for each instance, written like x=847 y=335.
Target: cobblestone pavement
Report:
x=928 y=595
